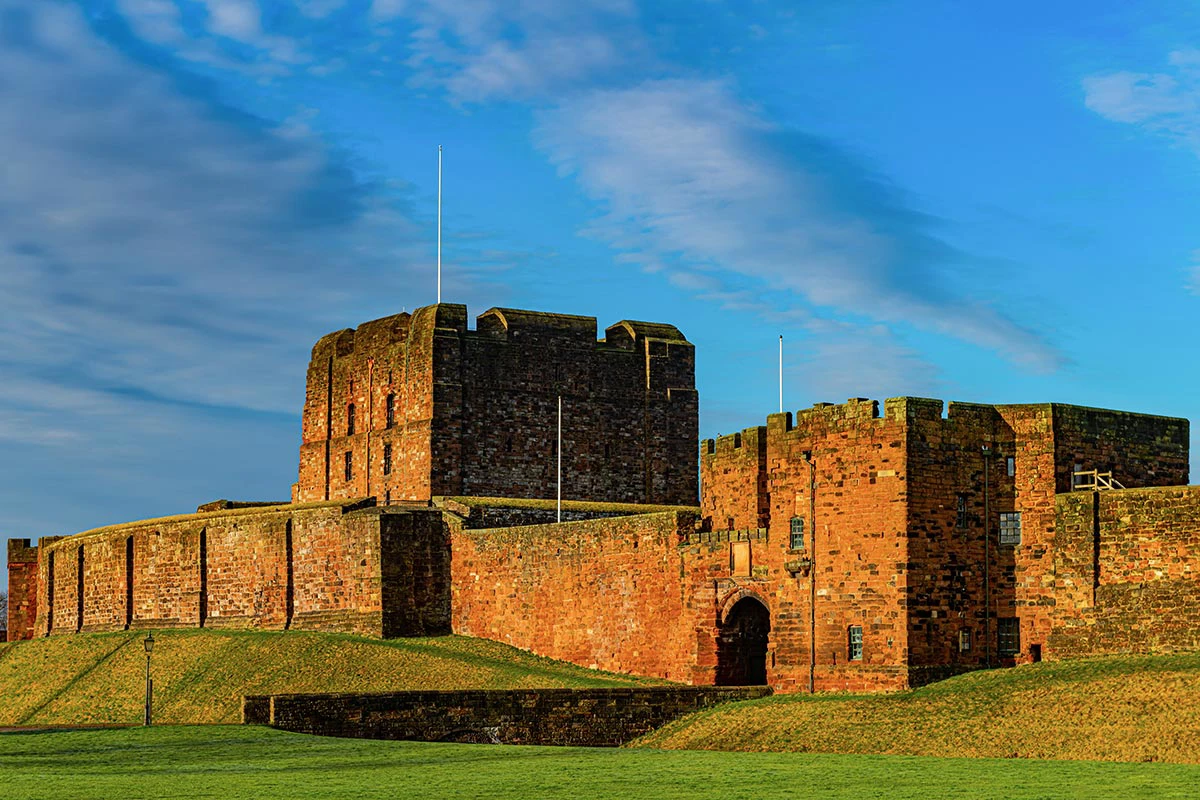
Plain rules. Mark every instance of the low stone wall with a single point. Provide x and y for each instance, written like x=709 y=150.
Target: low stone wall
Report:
x=503 y=512
x=579 y=717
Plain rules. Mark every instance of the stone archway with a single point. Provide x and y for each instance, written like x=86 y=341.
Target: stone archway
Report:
x=742 y=644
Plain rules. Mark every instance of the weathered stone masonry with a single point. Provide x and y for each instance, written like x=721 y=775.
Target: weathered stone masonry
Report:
x=413 y=406
x=843 y=547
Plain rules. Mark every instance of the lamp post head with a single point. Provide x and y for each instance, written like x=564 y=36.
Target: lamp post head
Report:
x=149 y=644
x=987 y=451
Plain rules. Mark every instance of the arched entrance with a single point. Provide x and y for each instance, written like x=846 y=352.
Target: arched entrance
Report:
x=742 y=644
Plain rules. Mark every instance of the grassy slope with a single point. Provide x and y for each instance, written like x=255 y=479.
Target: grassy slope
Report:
x=200 y=676
x=1129 y=708
x=234 y=762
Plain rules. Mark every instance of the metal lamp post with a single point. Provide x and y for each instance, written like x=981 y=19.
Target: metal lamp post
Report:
x=149 y=645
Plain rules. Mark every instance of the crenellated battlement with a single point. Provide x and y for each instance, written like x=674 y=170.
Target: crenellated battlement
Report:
x=415 y=405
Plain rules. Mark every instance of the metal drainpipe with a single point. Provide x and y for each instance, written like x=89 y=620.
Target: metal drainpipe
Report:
x=812 y=574
x=987 y=559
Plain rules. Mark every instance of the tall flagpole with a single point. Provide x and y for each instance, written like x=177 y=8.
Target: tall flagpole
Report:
x=781 y=373
x=559 y=458
x=439 y=277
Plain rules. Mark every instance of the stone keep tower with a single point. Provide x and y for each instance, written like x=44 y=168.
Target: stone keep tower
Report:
x=414 y=406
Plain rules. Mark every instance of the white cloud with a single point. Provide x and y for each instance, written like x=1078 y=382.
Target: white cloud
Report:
x=1164 y=103
x=691 y=175
x=159 y=245
x=482 y=49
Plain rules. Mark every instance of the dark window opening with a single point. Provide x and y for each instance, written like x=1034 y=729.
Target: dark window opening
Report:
x=607 y=450
x=128 y=582
x=203 y=576
x=387 y=459
x=1010 y=528
x=964 y=641
x=855 y=648
x=962 y=518
x=1035 y=652
x=387 y=497
x=391 y=410
x=742 y=644
x=350 y=420
x=349 y=471
x=796 y=533
x=1008 y=636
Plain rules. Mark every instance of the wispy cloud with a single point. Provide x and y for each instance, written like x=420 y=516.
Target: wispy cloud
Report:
x=1165 y=103
x=694 y=178
x=160 y=245
x=485 y=50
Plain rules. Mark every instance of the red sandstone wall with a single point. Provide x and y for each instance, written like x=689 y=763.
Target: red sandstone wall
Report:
x=733 y=474
x=310 y=567
x=628 y=594
x=1139 y=449
x=476 y=410
x=22 y=589
x=1128 y=565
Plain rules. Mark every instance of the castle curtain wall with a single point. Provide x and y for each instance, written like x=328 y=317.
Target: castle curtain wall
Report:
x=1128 y=572
x=626 y=594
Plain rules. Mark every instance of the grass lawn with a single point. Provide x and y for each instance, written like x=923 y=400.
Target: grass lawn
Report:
x=201 y=675
x=232 y=761
x=1121 y=708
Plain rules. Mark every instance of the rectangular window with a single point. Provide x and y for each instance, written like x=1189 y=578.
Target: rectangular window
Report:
x=387 y=459
x=796 y=539
x=1008 y=636
x=391 y=410
x=1077 y=479
x=350 y=420
x=1011 y=464
x=349 y=465
x=964 y=641
x=855 y=649
x=1010 y=528
x=962 y=518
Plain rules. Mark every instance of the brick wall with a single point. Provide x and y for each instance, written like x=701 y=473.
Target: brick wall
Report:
x=22 y=589
x=475 y=411
x=733 y=477
x=577 y=717
x=326 y=566
x=1128 y=568
x=628 y=594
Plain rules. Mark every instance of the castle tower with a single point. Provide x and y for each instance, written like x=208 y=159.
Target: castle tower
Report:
x=413 y=406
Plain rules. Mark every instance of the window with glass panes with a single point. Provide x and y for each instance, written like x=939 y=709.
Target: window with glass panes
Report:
x=796 y=539
x=856 y=643
x=1008 y=636
x=1010 y=528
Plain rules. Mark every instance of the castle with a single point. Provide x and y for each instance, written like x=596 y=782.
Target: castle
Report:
x=843 y=547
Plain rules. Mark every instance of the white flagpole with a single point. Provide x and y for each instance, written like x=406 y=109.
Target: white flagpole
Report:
x=560 y=458
x=439 y=246
x=781 y=373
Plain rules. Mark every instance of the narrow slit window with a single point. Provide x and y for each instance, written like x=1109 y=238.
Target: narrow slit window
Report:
x=349 y=465
x=350 y=420
x=391 y=411
x=964 y=641
x=1011 y=466
x=387 y=459
x=962 y=518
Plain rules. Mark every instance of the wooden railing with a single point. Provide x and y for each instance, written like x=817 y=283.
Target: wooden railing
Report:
x=1094 y=481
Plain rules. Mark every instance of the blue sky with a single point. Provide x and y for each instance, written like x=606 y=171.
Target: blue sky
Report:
x=989 y=204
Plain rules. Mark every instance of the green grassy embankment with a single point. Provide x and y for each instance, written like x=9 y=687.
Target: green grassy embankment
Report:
x=1124 y=708
x=201 y=676
x=248 y=761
